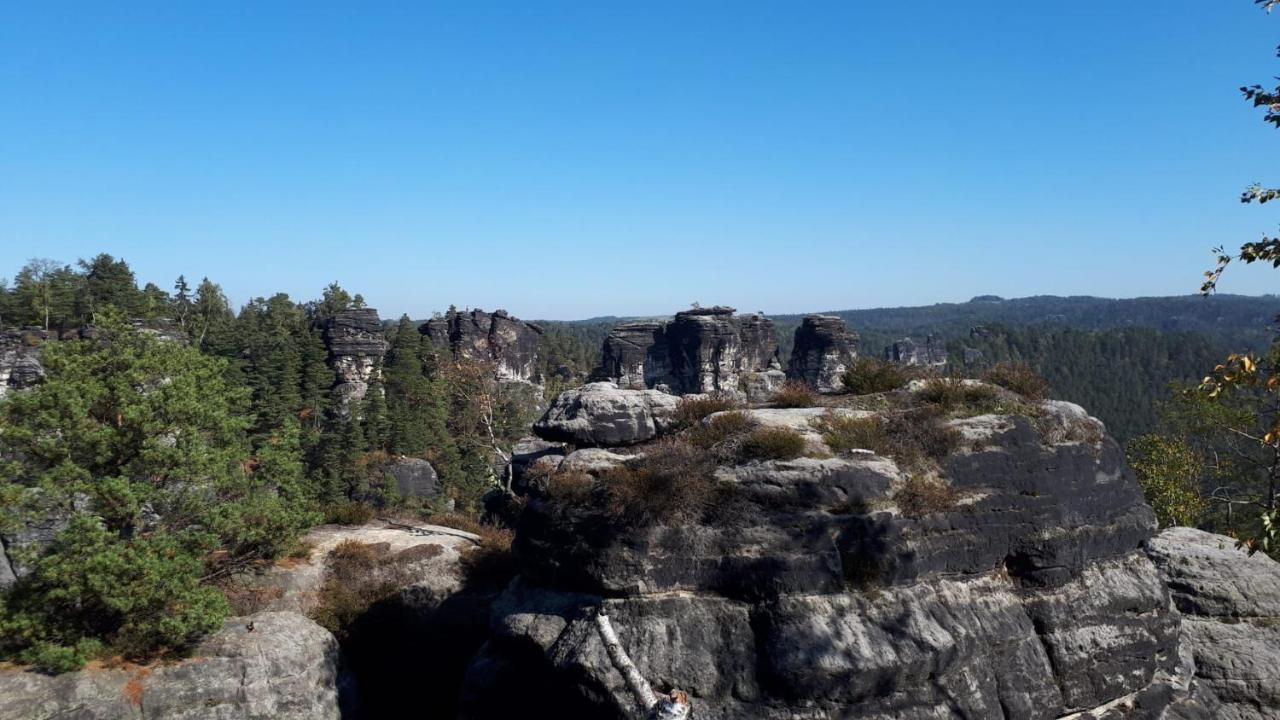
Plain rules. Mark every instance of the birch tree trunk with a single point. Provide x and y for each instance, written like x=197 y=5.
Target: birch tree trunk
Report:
x=673 y=706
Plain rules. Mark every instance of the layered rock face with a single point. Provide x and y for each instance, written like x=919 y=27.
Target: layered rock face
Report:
x=909 y=352
x=508 y=342
x=1231 y=618
x=703 y=350
x=19 y=360
x=824 y=348
x=356 y=346
x=266 y=666
x=810 y=589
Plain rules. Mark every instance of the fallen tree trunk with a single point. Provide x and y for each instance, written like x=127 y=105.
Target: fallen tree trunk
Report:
x=673 y=706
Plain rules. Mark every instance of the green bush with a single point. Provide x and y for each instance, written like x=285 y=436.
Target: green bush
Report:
x=794 y=394
x=772 y=443
x=1019 y=378
x=55 y=659
x=873 y=375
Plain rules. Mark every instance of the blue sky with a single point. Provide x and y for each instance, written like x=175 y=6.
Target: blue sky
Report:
x=574 y=159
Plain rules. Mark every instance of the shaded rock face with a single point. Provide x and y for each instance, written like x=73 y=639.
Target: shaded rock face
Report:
x=805 y=592
x=909 y=352
x=1231 y=617
x=19 y=360
x=604 y=415
x=356 y=346
x=415 y=478
x=699 y=351
x=824 y=348
x=508 y=342
x=266 y=666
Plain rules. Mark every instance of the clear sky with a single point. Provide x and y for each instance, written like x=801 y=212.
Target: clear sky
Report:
x=565 y=160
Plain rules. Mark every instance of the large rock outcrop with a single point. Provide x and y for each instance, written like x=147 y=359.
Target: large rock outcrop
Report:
x=811 y=589
x=931 y=352
x=602 y=414
x=1231 y=617
x=824 y=348
x=356 y=347
x=19 y=360
x=704 y=350
x=265 y=666
x=509 y=343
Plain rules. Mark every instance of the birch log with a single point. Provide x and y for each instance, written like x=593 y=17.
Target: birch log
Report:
x=674 y=706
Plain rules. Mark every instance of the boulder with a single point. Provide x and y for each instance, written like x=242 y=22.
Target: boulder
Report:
x=415 y=477
x=509 y=343
x=601 y=414
x=265 y=666
x=1230 y=603
x=824 y=349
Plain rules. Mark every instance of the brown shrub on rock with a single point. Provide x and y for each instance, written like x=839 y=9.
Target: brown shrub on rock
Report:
x=1019 y=378
x=843 y=433
x=692 y=410
x=920 y=496
x=772 y=443
x=873 y=375
x=794 y=394
x=953 y=394
x=673 y=482
x=357 y=575
x=720 y=434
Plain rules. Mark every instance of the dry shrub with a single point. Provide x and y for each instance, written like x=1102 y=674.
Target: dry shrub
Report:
x=794 y=394
x=247 y=597
x=722 y=433
x=673 y=482
x=772 y=443
x=843 y=433
x=873 y=375
x=953 y=394
x=573 y=487
x=920 y=496
x=357 y=575
x=1019 y=378
x=691 y=410
x=418 y=553
x=489 y=563
x=347 y=513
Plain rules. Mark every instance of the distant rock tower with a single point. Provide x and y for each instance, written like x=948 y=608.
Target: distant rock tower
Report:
x=510 y=343
x=824 y=349
x=356 y=347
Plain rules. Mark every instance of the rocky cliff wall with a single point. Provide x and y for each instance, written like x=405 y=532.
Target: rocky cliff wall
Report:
x=356 y=347
x=509 y=342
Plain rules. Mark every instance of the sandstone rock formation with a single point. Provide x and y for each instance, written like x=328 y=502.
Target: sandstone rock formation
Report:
x=824 y=348
x=508 y=342
x=702 y=350
x=19 y=360
x=1231 y=617
x=602 y=414
x=810 y=589
x=909 y=352
x=356 y=346
x=415 y=477
x=265 y=666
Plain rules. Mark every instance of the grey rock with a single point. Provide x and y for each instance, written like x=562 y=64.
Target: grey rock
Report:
x=824 y=349
x=698 y=351
x=356 y=347
x=415 y=478
x=264 y=666
x=508 y=342
x=604 y=415
x=1231 y=604
x=932 y=352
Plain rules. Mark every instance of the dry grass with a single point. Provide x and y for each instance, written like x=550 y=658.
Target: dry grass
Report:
x=915 y=438
x=920 y=496
x=721 y=434
x=571 y=486
x=357 y=575
x=772 y=443
x=691 y=410
x=489 y=564
x=794 y=394
x=843 y=433
x=1019 y=378
x=674 y=482
x=952 y=395
x=347 y=513
x=247 y=597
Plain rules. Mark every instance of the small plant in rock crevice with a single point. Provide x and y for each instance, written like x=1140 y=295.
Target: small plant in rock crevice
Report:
x=921 y=495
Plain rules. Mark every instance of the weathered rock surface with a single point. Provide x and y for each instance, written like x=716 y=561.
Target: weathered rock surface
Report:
x=19 y=360
x=266 y=666
x=508 y=342
x=909 y=352
x=356 y=346
x=804 y=591
x=1231 y=607
x=415 y=477
x=824 y=348
x=698 y=351
x=602 y=414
